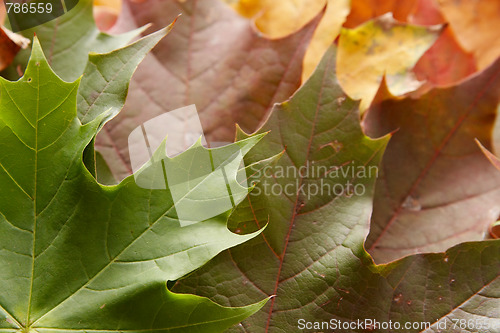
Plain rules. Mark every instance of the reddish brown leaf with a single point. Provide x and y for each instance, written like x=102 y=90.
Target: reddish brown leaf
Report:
x=436 y=188
x=426 y=12
x=493 y=159
x=213 y=58
x=10 y=44
x=446 y=62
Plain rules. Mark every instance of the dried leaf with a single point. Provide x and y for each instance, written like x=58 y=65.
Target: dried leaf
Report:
x=10 y=44
x=365 y=10
x=212 y=58
x=436 y=189
x=446 y=62
x=281 y=18
x=381 y=46
x=106 y=13
x=473 y=22
x=311 y=255
x=325 y=34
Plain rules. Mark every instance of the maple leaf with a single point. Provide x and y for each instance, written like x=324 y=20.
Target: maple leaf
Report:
x=68 y=39
x=79 y=256
x=443 y=190
x=214 y=59
x=311 y=255
x=472 y=21
x=381 y=47
x=280 y=18
x=446 y=62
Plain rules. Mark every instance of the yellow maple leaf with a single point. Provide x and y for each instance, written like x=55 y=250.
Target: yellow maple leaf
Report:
x=379 y=47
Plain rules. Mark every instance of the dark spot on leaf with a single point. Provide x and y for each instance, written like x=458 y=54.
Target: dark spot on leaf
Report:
x=398 y=298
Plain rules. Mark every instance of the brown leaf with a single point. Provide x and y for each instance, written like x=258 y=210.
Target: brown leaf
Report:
x=493 y=159
x=213 y=58
x=436 y=189
x=10 y=44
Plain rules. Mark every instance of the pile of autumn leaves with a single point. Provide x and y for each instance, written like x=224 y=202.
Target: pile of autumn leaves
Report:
x=427 y=75
x=416 y=47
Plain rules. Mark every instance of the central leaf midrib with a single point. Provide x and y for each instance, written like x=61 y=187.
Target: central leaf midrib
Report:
x=35 y=217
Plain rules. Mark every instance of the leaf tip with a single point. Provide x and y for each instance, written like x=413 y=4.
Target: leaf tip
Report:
x=492 y=158
x=37 y=55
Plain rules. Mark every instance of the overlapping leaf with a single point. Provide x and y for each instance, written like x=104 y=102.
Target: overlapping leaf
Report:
x=106 y=13
x=472 y=22
x=280 y=18
x=311 y=254
x=104 y=85
x=214 y=59
x=366 y=10
x=10 y=44
x=381 y=46
x=68 y=39
x=76 y=255
x=446 y=62
x=436 y=189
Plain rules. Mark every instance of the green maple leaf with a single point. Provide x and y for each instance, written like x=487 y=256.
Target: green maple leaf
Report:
x=104 y=87
x=311 y=254
x=68 y=39
x=79 y=256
